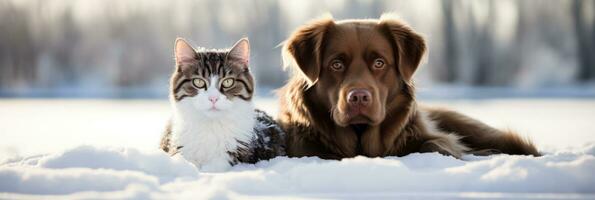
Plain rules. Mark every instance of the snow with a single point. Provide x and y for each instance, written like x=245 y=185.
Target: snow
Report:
x=95 y=149
x=86 y=171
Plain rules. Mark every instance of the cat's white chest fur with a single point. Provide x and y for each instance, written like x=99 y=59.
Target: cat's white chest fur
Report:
x=206 y=137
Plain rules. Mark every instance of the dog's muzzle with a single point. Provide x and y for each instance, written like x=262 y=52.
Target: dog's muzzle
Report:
x=358 y=105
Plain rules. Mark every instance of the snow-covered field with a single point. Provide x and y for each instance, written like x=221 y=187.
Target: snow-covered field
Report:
x=108 y=149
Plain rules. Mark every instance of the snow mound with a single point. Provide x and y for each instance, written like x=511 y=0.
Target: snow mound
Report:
x=92 y=172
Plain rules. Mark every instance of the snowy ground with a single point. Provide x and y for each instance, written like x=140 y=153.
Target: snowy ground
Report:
x=107 y=149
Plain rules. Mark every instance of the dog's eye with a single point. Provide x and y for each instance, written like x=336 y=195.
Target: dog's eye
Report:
x=378 y=63
x=337 y=65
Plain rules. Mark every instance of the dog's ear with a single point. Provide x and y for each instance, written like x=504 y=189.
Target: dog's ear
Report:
x=410 y=45
x=303 y=48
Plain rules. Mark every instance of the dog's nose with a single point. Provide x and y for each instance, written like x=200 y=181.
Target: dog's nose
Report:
x=359 y=97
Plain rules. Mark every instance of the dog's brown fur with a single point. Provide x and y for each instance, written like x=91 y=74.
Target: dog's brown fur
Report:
x=319 y=121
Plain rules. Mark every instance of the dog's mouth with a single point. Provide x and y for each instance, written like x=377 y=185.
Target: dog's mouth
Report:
x=360 y=119
x=348 y=119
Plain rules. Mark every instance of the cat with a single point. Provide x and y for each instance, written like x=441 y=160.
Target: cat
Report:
x=215 y=124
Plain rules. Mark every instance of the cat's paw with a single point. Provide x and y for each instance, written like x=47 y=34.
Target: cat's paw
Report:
x=216 y=166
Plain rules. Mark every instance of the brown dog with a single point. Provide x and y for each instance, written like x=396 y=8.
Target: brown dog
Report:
x=351 y=94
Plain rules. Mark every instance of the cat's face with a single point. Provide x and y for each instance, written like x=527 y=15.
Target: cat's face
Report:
x=211 y=82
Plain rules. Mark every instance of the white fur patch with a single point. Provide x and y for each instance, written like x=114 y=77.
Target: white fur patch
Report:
x=207 y=132
x=447 y=141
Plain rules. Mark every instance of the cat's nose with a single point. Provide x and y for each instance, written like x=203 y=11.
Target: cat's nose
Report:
x=213 y=99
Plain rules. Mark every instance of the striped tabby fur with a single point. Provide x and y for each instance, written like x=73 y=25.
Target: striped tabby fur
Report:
x=214 y=123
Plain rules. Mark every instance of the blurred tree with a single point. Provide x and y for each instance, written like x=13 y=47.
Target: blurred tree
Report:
x=121 y=45
x=18 y=54
x=585 y=36
x=449 y=68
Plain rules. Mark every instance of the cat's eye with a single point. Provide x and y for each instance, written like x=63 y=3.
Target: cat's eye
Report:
x=228 y=82
x=199 y=83
x=337 y=65
x=379 y=63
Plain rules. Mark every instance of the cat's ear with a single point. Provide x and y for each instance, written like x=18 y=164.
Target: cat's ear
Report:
x=185 y=54
x=241 y=52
